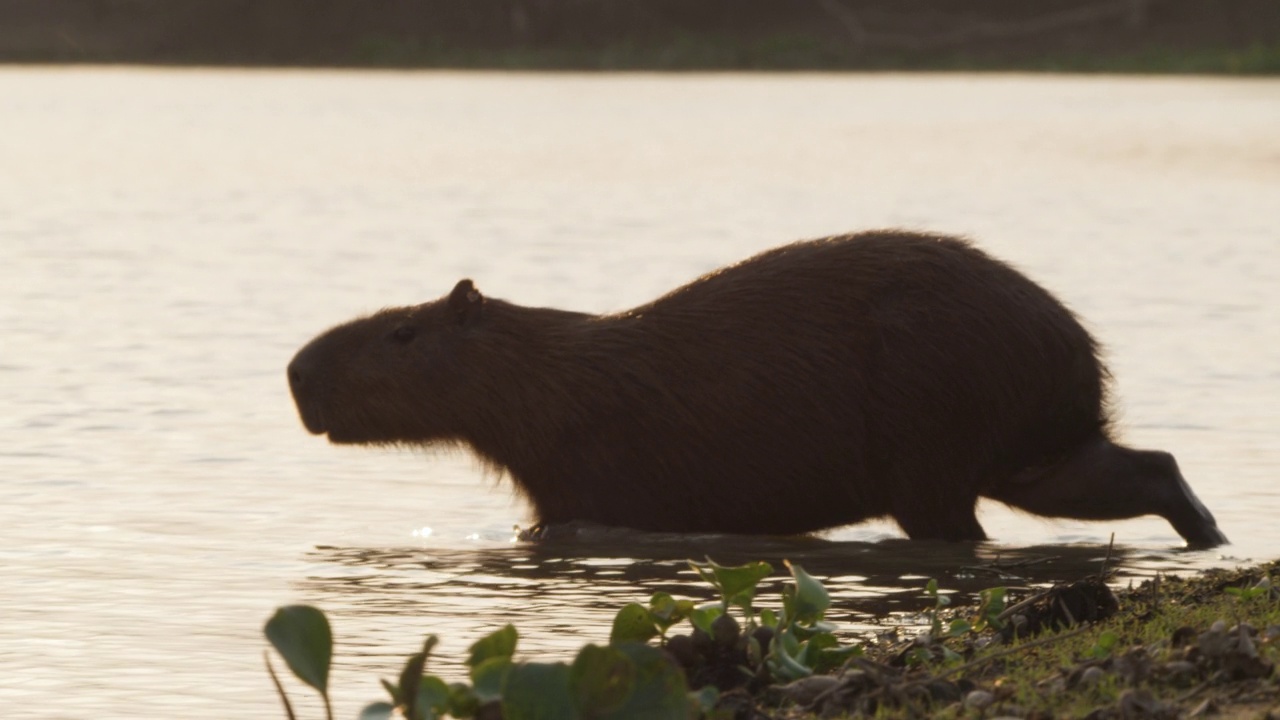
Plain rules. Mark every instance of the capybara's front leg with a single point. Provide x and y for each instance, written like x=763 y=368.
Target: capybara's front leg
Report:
x=925 y=517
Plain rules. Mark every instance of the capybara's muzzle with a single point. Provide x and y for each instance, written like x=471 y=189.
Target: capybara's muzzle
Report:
x=301 y=384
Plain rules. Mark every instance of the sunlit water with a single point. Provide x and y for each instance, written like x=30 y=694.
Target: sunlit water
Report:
x=171 y=237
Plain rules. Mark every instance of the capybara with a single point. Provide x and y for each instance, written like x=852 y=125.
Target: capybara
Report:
x=813 y=385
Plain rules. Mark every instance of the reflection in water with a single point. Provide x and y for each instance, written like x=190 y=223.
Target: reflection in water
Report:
x=562 y=593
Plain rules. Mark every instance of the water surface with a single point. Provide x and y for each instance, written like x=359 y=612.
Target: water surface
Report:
x=171 y=237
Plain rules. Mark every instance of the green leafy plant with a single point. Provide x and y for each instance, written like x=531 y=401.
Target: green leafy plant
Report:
x=803 y=642
x=623 y=680
x=626 y=678
x=990 y=608
x=1262 y=588
x=301 y=635
x=940 y=601
x=1106 y=644
x=737 y=585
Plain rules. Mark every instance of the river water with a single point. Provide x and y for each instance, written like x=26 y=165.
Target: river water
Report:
x=170 y=238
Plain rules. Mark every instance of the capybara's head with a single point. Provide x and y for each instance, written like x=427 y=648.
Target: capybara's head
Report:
x=391 y=377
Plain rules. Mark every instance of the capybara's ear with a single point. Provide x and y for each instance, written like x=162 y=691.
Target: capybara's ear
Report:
x=465 y=301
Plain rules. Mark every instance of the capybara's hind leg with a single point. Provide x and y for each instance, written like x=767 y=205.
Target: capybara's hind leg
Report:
x=1104 y=481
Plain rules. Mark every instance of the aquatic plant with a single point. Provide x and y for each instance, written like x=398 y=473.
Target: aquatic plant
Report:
x=626 y=678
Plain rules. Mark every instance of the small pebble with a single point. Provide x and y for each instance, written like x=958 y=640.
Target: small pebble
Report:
x=1091 y=676
x=979 y=700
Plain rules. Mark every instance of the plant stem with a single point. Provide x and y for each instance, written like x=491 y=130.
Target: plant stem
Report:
x=288 y=708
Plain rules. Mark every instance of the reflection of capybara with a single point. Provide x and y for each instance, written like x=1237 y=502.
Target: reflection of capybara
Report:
x=814 y=385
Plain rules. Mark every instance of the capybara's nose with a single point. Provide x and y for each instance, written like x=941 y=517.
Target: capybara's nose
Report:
x=297 y=375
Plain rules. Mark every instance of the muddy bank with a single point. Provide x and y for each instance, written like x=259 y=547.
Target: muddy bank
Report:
x=1205 y=646
x=1137 y=35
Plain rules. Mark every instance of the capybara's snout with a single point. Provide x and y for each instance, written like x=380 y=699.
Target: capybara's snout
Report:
x=297 y=373
x=301 y=374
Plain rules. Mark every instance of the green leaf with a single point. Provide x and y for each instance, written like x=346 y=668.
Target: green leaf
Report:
x=487 y=678
x=811 y=599
x=499 y=643
x=463 y=702
x=410 y=679
x=538 y=691
x=831 y=658
x=959 y=627
x=993 y=602
x=665 y=611
x=804 y=632
x=601 y=679
x=703 y=701
x=822 y=652
x=410 y=690
x=658 y=690
x=301 y=634
x=918 y=656
x=782 y=661
x=702 y=617
x=738 y=584
x=377 y=711
x=768 y=618
x=1106 y=643
x=433 y=698
x=633 y=623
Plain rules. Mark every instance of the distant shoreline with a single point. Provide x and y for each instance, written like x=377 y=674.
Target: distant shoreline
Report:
x=1125 y=36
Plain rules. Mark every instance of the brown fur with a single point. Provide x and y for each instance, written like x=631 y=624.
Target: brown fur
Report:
x=814 y=385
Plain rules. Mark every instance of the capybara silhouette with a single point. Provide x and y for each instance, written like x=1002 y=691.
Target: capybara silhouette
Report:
x=814 y=385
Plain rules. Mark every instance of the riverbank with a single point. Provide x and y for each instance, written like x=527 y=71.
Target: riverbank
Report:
x=1161 y=36
x=1170 y=648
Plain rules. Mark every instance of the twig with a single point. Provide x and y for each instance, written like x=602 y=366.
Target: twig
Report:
x=997 y=565
x=1071 y=619
x=1107 y=560
x=1014 y=609
x=1192 y=692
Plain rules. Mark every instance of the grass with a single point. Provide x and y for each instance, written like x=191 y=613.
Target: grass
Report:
x=1138 y=659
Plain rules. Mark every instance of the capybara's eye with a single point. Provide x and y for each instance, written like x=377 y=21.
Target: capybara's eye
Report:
x=404 y=333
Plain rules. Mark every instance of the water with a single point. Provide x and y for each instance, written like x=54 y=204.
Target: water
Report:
x=171 y=237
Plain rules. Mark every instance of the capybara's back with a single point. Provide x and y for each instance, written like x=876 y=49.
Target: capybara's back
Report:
x=814 y=385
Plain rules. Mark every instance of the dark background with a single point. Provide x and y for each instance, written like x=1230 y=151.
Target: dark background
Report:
x=1153 y=35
